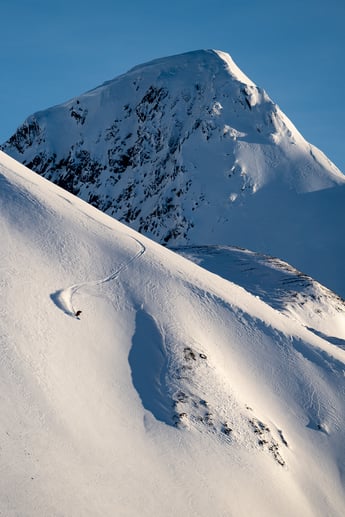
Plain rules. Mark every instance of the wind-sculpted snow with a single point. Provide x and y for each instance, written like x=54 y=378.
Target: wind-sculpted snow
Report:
x=174 y=391
x=188 y=150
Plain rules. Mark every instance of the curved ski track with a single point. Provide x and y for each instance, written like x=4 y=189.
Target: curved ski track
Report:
x=64 y=297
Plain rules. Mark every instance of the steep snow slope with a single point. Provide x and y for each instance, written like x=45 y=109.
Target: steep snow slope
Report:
x=175 y=393
x=188 y=150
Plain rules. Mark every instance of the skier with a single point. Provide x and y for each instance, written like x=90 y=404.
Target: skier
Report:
x=77 y=314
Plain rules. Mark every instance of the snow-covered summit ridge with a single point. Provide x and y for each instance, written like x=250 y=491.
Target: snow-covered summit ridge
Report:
x=171 y=105
x=224 y=91
x=188 y=150
x=207 y=60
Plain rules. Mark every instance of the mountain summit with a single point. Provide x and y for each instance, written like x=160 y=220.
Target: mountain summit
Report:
x=188 y=150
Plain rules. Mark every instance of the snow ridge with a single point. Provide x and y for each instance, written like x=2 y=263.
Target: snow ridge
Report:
x=188 y=150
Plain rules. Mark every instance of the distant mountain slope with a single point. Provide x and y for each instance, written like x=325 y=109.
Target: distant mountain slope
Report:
x=176 y=392
x=188 y=150
x=278 y=284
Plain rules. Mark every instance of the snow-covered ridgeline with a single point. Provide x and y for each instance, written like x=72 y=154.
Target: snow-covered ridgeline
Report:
x=188 y=150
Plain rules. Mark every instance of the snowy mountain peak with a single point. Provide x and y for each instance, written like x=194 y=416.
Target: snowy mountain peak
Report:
x=233 y=69
x=187 y=150
x=198 y=62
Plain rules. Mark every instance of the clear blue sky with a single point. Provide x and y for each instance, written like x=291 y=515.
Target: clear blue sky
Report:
x=54 y=50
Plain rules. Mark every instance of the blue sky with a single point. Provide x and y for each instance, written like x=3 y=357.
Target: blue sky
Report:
x=52 y=51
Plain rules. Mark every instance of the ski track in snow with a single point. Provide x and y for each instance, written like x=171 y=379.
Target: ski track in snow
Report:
x=63 y=298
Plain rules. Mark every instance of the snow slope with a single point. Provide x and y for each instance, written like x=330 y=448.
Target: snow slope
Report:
x=277 y=283
x=189 y=151
x=177 y=392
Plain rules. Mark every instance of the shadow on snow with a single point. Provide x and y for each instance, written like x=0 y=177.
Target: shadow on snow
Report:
x=148 y=363
x=59 y=299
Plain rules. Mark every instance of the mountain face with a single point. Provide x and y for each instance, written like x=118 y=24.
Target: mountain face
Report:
x=175 y=392
x=188 y=150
